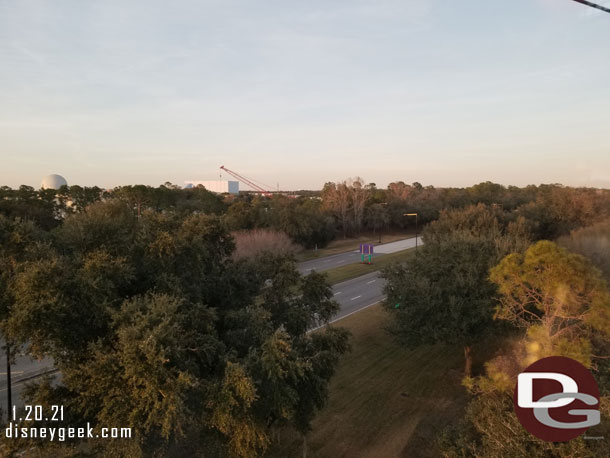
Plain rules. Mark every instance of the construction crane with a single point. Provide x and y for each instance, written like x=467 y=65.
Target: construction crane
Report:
x=249 y=182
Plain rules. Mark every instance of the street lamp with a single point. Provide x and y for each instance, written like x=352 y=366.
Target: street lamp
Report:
x=413 y=214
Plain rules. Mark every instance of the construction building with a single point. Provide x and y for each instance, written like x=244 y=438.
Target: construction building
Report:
x=217 y=186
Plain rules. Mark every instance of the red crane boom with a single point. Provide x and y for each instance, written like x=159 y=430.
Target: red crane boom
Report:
x=253 y=185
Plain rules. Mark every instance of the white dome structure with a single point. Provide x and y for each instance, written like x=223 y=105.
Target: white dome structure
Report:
x=53 y=182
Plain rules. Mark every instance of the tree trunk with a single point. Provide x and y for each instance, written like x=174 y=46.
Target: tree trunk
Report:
x=468 y=359
x=304 y=446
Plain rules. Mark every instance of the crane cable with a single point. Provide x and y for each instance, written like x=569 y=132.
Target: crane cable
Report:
x=264 y=186
x=593 y=5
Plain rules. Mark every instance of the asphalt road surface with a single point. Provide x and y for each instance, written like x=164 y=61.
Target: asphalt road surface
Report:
x=17 y=387
x=350 y=257
x=358 y=293
x=23 y=369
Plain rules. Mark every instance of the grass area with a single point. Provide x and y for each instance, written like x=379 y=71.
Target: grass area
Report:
x=385 y=401
x=343 y=245
x=339 y=274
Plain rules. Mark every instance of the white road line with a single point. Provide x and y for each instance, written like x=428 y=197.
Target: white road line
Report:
x=354 y=298
x=345 y=316
x=28 y=379
x=372 y=281
x=339 y=262
x=336 y=294
x=328 y=260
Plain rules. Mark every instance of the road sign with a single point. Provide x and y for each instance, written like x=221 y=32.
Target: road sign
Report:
x=366 y=250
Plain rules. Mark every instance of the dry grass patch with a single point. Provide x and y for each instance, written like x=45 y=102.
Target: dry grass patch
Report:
x=250 y=244
x=349 y=271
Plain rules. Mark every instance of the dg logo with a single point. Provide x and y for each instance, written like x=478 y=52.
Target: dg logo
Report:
x=556 y=399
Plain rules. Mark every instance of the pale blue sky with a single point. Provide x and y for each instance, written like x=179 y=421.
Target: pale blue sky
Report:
x=444 y=92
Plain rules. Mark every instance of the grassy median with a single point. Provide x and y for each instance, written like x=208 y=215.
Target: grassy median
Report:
x=350 y=244
x=385 y=401
x=349 y=271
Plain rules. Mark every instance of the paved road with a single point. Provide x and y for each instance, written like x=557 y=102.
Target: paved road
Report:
x=398 y=245
x=23 y=368
x=350 y=257
x=17 y=388
x=358 y=293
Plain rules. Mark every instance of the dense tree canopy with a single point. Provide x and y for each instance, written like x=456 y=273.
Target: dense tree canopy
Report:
x=443 y=294
x=564 y=305
x=593 y=242
x=154 y=326
x=558 y=296
x=313 y=218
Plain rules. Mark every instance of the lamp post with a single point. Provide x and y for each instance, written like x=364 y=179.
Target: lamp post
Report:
x=413 y=214
x=9 y=395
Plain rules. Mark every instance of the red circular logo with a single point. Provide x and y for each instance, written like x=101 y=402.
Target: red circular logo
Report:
x=556 y=399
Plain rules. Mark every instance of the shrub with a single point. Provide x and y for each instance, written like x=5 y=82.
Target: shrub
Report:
x=250 y=244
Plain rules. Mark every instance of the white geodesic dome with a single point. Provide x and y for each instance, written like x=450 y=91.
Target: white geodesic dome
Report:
x=53 y=181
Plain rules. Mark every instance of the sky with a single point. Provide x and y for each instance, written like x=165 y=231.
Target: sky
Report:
x=298 y=93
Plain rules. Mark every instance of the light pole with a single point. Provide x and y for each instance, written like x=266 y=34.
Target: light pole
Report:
x=413 y=214
x=9 y=394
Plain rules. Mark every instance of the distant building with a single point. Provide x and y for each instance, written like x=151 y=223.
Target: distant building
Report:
x=217 y=186
x=53 y=182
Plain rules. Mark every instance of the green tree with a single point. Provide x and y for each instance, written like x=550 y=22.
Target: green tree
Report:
x=491 y=429
x=564 y=305
x=239 y=216
x=558 y=296
x=19 y=241
x=26 y=203
x=336 y=198
x=138 y=196
x=154 y=327
x=77 y=198
x=593 y=242
x=199 y=199
x=302 y=219
x=377 y=217
x=443 y=294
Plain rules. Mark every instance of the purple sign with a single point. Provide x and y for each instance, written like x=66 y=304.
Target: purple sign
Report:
x=366 y=248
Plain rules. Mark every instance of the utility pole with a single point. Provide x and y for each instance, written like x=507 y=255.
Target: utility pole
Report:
x=9 y=394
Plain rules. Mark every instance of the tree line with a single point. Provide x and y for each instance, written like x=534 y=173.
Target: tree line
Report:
x=341 y=209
